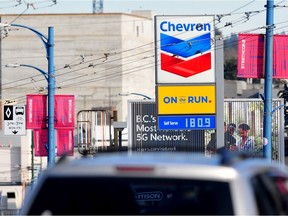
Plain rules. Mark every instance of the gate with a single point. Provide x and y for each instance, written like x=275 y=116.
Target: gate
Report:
x=94 y=131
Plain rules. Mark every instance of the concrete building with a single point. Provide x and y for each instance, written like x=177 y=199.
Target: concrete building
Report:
x=97 y=56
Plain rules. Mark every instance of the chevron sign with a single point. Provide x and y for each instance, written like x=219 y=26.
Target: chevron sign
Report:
x=185 y=52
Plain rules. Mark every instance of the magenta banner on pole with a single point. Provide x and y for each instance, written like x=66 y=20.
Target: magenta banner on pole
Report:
x=65 y=142
x=250 y=56
x=36 y=112
x=280 y=61
x=64 y=111
x=40 y=142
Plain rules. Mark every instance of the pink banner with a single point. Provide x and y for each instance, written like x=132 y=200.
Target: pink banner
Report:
x=36 y=112
x=280 y=61
x=64 y=111
x=65 y=142
x=250 y=56
x=41 y=142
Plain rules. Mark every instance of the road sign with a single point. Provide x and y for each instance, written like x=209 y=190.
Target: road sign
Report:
x=15 y=120
x=197 y=122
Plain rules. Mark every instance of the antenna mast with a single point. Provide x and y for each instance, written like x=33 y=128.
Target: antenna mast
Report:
x=97 y=6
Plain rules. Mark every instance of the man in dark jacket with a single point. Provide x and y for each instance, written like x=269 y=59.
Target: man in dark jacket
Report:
x=211 y=147
x=229 y=139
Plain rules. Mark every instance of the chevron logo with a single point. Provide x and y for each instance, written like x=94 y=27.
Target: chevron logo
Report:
x=185 y=57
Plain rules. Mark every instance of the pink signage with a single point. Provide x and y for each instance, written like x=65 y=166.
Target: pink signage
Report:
x=64 y=111
x=40 y=142
x=280 y=54
x=36 y=112
x=65 y=142
x=250 y=55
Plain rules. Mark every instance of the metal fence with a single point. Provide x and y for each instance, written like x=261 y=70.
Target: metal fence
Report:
x=94 y=130
x=251 y=112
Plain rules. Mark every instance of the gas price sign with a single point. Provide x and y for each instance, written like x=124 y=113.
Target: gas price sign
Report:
x=207 y=122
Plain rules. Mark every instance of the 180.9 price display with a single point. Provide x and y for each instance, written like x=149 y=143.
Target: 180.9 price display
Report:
x=186 y=122
x=200 y=122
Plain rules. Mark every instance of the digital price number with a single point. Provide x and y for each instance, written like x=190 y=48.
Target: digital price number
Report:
x=200 y=122
x=186 y=122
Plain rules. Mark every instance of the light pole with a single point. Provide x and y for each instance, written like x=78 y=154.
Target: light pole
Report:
x=133 y=93
x=267 y=124
x=50 y=77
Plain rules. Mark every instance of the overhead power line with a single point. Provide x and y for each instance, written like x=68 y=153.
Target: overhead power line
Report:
x=91 y=62
x=107 y=76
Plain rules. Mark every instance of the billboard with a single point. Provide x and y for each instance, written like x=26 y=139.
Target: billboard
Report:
x=178 y=100
x=143 y=135
x=184 y=49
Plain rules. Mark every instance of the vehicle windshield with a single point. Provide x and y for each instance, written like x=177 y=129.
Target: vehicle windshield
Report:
x=102 y=195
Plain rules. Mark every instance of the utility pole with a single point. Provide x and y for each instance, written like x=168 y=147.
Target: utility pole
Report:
x=50 y=77
x=267 y=127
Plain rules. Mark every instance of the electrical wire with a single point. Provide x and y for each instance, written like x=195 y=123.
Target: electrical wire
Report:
x=19 y=2
x=103 y=77
x=82 y=68
x=242 y=6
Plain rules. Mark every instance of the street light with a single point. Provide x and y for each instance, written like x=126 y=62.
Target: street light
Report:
x=50 y=77
x=30 y=66
x=133 y=93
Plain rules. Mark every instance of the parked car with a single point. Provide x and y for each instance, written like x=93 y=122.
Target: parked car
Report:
x=160 y=183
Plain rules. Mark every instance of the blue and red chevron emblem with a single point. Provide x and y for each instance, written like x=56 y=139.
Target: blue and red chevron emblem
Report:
x=181 y=57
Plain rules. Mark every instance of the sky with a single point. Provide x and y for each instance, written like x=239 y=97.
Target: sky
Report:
x=235 y=16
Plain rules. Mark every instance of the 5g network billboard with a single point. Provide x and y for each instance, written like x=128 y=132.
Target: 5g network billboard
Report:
x=143 y=135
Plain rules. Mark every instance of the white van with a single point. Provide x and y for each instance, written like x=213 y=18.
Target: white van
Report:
x=161 y=183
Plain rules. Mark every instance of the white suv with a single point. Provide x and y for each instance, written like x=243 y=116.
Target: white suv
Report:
x=160 y=183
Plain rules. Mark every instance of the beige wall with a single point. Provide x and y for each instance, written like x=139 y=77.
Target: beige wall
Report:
x=126 y=39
